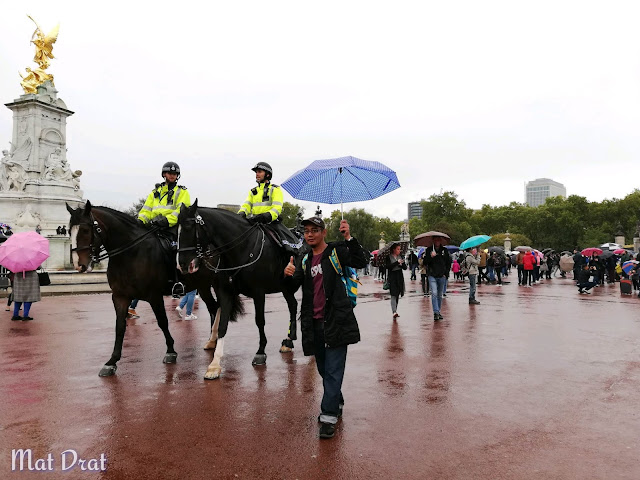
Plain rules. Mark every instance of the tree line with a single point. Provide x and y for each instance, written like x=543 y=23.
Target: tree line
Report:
x=560 y=223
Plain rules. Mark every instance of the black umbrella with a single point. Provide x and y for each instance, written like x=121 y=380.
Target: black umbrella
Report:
x=547 y=250
x=496 y=249
x=606 y=254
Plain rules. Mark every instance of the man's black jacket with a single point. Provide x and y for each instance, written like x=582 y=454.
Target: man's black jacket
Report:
x=340 y=325
x=439 y=265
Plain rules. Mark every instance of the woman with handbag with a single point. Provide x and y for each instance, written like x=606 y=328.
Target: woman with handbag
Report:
x=26 y=289
x=395 y=277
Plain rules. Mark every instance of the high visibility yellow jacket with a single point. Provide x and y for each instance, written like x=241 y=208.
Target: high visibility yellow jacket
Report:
x=158 y=203
x=256 y=203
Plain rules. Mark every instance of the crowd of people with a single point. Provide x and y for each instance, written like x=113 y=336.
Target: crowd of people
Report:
x=436 y=265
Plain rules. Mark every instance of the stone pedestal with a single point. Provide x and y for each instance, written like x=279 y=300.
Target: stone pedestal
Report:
x=60 y=253
x=36 y=179
x=507 y=243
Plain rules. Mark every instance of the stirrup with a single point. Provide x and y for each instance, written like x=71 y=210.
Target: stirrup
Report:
x=177 y=290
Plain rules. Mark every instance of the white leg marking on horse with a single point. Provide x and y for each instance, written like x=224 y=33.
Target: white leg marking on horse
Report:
x=211 y=343
x=74 y=244
x=178 y=251
x=214 y=369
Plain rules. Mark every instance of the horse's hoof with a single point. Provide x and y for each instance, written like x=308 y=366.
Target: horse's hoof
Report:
x=210 y=346
x=259 y=359
x=287 y=346
x=170 y=358
x=108 y=370
x=212 y=374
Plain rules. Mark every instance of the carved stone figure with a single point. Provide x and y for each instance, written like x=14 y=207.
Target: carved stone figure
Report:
x=27 y=218
x=57 y=168
x=13 y=175
x=76 y=179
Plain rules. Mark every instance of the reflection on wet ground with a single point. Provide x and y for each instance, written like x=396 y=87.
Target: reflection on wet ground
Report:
x=532 y=383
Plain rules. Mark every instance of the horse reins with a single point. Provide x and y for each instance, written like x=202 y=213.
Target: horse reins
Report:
x=218 y=251
x=98 y=254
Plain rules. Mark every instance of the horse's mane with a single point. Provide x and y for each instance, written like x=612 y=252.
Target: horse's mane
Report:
x=125 y=217
x=223 y=211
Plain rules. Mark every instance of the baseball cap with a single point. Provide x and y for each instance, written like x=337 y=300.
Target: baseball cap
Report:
x=315 y=221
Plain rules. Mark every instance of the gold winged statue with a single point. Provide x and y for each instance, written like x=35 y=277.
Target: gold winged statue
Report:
x=44 y=53
x=44 y=44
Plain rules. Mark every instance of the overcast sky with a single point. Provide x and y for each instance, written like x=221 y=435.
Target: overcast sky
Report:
x=475 y=97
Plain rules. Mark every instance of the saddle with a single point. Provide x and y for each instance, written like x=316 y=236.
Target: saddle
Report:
x=283 y=237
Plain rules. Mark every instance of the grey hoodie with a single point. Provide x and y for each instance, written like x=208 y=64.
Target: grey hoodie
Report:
x=472 y=263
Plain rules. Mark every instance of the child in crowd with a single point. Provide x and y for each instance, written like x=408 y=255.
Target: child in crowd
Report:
x=455 y=268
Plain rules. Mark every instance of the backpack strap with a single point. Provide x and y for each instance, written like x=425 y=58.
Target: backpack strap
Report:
x=335 y=262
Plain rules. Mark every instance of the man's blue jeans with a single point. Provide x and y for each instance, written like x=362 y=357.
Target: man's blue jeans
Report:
x=331 y=362
x=437 y=288
x=472 y=286
x=188 y=300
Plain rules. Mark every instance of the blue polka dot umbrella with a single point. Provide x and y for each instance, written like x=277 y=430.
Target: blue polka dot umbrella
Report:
x=341 y=180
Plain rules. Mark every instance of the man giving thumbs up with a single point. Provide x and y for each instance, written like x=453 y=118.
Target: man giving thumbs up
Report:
x=328 y=323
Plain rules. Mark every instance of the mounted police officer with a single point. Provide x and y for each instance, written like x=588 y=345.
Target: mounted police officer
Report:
x=162 y=208
x=264 y=202
x=264 y=205
x=167 y=198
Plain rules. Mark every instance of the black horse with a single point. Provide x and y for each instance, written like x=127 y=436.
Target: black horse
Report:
x=239 y=259
x=139 y=267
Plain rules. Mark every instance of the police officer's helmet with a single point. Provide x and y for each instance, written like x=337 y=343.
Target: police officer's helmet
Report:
x=171 y=167
x=264 y=166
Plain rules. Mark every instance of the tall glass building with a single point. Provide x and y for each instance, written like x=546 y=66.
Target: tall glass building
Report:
x=538 y=190
x=415 y=210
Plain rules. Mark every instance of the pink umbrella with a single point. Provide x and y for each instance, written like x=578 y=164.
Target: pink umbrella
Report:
x=24 y=251
x=619 y=251
x=587 y=252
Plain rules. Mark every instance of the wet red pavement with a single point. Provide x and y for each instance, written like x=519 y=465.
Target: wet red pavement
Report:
x=536 y=383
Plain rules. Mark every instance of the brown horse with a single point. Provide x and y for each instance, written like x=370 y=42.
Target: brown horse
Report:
x=139 y=267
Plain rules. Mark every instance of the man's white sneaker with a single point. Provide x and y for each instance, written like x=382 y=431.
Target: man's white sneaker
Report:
x=179 y=310
x=190 y=317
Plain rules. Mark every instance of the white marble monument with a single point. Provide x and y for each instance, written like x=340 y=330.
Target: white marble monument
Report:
x=36 y=179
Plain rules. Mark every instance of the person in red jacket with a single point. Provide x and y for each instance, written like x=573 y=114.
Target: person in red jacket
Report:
x=528 y=263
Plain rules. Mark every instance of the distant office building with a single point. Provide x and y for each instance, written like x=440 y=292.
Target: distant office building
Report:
x=229 y=206
x=537 y=191
x=415 y=210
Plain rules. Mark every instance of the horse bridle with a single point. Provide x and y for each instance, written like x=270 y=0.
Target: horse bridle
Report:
x=97 y=251
x=206 y=255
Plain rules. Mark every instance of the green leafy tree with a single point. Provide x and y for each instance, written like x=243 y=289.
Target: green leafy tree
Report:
x=134 y=209
x=444 y=206
x=289 y=214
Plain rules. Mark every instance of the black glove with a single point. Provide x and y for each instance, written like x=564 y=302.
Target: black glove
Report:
x=263 y=218
x=160 y=221
x=243 y=214
x=140 y=222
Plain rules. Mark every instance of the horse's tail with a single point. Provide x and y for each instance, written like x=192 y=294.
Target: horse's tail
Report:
x=237 y=305
x=237 y=308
